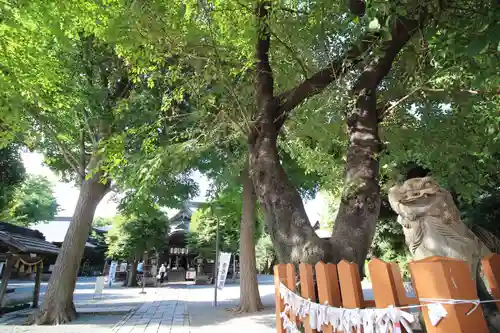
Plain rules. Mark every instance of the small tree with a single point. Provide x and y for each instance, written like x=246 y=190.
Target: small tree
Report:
x=227 y=209
x=131 y=236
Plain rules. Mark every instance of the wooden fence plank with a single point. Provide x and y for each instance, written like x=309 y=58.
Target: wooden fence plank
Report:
x=307 y=290
x=291 y=283
x=491 y=267
x=328 y=287
x=350 y=285
x=447 y=278
x=384 y=289
x=400 y=287
x=279 y=277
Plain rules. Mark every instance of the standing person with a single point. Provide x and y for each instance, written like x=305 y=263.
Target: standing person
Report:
x=139 y=272
x=163 y=270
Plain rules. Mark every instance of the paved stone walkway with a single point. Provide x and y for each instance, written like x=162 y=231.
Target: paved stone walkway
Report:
x=173 y=309
x=166 y=314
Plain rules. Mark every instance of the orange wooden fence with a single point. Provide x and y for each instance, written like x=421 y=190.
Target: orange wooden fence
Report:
x=432 y=278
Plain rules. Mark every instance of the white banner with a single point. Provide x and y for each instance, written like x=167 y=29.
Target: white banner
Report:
x=123 y=267
x=112 y=272
x=224 y=259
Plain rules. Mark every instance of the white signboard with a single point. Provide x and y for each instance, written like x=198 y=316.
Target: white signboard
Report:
x=112 y=272
x=123 y=267
x=99 y=286
x=224 y=259
x=190 y=275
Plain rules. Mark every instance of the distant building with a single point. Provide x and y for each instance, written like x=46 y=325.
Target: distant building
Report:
x=176 y=254
x=94 y=254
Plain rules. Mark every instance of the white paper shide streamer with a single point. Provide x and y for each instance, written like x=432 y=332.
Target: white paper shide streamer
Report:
x=347 y=320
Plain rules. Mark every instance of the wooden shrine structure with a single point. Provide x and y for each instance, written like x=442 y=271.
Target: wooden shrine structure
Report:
x=25 y=254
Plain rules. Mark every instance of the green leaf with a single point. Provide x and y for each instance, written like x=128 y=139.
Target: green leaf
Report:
x=477 y=46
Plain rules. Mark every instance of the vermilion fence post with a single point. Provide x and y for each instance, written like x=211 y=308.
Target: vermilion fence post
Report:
x=383 y=286
x=279 y=277
x=446 y=278
x=350 y=286
x=400 y=287
x=491 y=267
x=328 y=287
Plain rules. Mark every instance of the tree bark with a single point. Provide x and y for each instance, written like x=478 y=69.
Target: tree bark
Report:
x=354 y=226
x=288 y=225
x=249 y=286
x=58 y=307
x=291 y=232
x=132 y=281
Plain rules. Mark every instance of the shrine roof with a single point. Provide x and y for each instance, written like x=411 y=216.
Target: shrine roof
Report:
x=27 y=244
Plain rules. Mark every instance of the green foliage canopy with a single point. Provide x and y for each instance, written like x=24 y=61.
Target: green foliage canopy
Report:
x=12 y=173
x=33 y=202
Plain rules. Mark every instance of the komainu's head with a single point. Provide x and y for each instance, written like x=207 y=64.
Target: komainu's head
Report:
x=414 y=189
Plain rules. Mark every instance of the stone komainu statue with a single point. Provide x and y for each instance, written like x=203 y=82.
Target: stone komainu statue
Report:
x=432 y=225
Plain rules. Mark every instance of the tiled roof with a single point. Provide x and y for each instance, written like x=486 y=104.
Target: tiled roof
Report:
x=15 y=229
x=27 y=244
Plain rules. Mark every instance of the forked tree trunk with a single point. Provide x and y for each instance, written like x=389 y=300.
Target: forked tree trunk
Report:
x=249 y=287
x=58 y=304
x=357 y=216
x=288 y=225
x=291 y=232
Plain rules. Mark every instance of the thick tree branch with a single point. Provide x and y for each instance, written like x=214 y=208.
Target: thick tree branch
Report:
x=321 y=79
x=402 y=30
x=264 y=75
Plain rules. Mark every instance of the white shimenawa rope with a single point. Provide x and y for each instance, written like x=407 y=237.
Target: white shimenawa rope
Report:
x=372 y=320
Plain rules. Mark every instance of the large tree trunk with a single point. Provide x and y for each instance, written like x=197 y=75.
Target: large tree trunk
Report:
x=132 y=276
x=291 y=232
x=354 y=226
x=249 y=286
x=58 y=304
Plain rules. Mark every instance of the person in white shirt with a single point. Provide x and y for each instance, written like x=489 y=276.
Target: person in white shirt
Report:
x=163 y=271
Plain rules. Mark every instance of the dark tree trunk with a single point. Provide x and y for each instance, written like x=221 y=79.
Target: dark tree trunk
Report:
x=249 y=287
x=58 y=304
x=354 y=226
x=132 y=276
x=291 y=232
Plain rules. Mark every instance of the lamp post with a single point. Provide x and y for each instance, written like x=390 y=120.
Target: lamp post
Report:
x=216 y=271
